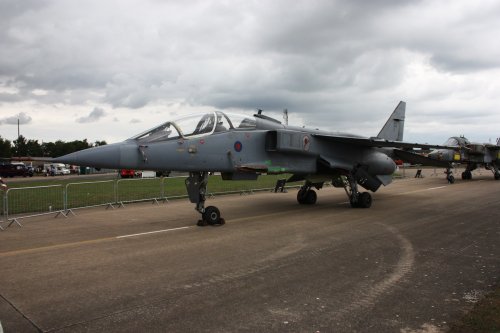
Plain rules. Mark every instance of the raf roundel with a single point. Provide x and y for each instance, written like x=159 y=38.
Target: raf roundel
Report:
x=306 y=142
x=238 y=146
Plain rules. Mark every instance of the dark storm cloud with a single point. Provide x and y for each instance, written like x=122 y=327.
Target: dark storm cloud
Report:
x=324 y=60
x=309 y=45
x=92 y=117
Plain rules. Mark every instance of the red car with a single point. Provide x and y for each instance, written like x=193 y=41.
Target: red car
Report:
x=127 y=173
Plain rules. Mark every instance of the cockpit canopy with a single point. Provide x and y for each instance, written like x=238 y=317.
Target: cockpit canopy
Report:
x=456 y=141
x=197 y=125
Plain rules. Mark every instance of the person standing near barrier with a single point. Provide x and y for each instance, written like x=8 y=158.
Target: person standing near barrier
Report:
x=3 y=186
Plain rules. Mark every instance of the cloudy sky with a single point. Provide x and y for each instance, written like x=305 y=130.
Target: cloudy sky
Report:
x=106 y=70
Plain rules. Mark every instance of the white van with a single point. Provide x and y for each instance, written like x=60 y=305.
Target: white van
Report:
x=54 y=169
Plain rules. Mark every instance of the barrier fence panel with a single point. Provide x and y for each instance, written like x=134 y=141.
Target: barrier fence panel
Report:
x=18 y=203
x=90 y=194
x=2 y=208
x=34 y=201
x=133 y=190
x=174 y=187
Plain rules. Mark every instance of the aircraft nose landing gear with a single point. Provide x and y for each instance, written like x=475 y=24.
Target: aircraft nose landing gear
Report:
x=449 y=176
x=211 y=216
x=196 y=185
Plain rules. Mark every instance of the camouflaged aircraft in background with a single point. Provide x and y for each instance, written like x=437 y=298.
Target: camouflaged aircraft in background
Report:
x=243 y=147
x=460 y=151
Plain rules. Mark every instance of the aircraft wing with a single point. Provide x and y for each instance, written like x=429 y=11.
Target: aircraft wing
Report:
x=492 y=147
x=420 y=159
x=376 y=142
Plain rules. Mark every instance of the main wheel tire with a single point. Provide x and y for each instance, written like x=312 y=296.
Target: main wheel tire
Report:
x=365 y=200
x=301 y=197
x=311 y=197
x=464 y=175
x=211 y=215
x=497 y=175
x=451 y=179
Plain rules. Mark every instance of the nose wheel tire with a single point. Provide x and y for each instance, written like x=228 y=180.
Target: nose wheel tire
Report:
x=211 y=216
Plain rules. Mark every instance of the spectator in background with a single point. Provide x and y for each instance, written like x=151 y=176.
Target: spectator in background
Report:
x=3 y=186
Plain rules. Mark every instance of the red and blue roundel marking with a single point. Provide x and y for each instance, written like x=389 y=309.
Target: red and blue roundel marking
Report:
x=238 y=146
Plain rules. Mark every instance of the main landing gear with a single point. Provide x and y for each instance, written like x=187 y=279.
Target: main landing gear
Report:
x=356 y=199
x=467 y=175
x=196 y=185
x=307 y=196
x=494 y=169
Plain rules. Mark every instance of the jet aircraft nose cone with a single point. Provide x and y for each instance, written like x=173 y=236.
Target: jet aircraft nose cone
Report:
x=107 y=156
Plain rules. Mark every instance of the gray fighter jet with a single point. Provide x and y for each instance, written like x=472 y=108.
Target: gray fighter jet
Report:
x=243 y=147
x=460 y=151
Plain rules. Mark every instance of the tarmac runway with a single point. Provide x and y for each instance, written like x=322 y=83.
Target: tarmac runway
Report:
x=423 y=254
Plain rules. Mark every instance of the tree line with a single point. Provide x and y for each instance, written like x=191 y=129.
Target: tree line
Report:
x=28 y=147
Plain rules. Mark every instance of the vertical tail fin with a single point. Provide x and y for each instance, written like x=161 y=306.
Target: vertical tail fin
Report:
x=394 y=127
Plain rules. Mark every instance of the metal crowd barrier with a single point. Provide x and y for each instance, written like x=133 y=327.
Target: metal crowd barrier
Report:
x=21 y=203
x=137 y=190
x=90 y=194
x=2 y=209
x=33 y=201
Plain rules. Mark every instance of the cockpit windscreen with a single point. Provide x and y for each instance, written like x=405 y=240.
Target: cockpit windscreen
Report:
x=197 y=126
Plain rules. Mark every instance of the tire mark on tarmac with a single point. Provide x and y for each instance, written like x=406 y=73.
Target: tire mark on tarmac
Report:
x=403 y=267
x=173 y=293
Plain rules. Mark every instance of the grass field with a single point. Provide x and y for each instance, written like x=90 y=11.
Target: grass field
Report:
x=40 y=195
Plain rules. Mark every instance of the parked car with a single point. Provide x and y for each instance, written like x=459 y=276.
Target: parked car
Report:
x=127 y=173
x=17 y=169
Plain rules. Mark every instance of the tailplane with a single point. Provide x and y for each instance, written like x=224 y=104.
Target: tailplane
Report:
x=394 y=127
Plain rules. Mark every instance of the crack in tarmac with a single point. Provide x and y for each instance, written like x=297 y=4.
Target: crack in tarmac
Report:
x=32 y=323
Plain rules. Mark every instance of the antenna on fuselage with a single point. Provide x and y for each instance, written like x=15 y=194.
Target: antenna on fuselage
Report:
x=285 y=116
